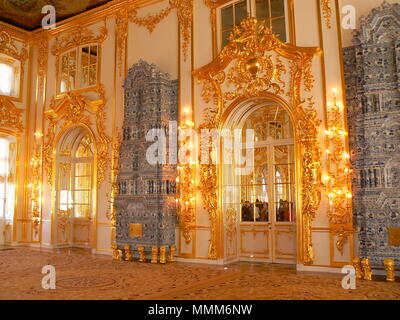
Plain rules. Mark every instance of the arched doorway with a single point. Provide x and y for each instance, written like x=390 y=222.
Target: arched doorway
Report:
x=75 y=188
x=262 y=200
x=8 y=170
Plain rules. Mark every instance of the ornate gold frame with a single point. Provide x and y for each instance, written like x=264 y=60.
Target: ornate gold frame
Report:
x=254 y=57
x=72 y=40
x=8 y=47
x=70 y=111
x=11 y=125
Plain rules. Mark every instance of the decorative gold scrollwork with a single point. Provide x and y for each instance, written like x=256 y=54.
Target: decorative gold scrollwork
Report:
x=77 y=37
x=10 y=115
x=250 y=66
x=327 y=12
x=73 y=109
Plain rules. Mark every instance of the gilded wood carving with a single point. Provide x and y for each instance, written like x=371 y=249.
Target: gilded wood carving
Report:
x=70 y=110
x=250 y=66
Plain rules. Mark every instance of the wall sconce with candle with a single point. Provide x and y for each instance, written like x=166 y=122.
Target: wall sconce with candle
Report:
x=337 y=179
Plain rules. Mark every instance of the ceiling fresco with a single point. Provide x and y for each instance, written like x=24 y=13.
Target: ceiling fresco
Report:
x=27 y=14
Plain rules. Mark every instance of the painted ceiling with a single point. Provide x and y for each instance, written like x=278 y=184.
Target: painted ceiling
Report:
x=27 y=14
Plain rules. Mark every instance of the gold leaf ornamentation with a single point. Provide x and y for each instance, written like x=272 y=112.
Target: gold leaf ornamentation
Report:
x=9 y=47
x=121 y=31
x=42 y=60
x=10 y=115
x=327 y=12
x=251 y=64
x=338 y=179
x=77 y=37
x=116 y=145
x=72 y=109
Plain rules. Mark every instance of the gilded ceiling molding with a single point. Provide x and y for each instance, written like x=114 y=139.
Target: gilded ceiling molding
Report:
x=326 y=7
x=121 y=32
x=10 y=116
x=77 y=37
x=73 y=109
x=250 y=66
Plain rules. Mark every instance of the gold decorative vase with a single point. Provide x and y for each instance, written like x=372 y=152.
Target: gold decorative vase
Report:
x=154 y=254
x=171 y=255
x=357 y=267
x=366 y=269
x=142 y=256
x=115 y=251
x=163 y=255
x=390 y=271
x=128 y=253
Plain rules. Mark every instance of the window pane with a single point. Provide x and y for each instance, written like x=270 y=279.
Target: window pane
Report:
x=227 y=18
x=247 y=212
x=240 y=12
x=88 y=67
x=82 y=183
x=279 y=28
x=82 y=197
x=225 y=37
x=277 y=8
x=82 y=169
x=262 y=211
x=6 y=79
x=82 y=211
x=262 y=9
x=68 y=71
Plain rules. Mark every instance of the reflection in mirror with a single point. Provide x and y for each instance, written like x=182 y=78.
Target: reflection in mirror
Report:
x=68 y=71
x=88 y=66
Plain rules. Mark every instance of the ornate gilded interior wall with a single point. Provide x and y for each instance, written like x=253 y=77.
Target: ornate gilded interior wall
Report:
x=146 y=199
x=372 y=67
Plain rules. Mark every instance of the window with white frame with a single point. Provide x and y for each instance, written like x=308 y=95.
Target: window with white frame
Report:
x=272 y=11
x=9 y=76
x=78 y=68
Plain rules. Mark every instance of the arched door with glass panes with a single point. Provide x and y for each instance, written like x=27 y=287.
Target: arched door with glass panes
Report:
x=274 y=12
x=7 y=187
x=75 y=190
x=264 y=196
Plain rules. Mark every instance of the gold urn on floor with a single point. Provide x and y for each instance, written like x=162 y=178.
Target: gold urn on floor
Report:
x=366 y=269
x=358 y=268
x=171 y=255
x=128 y=253
x=390 y=271
x=163 y=255
x=142 y=255
x=154 y=254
